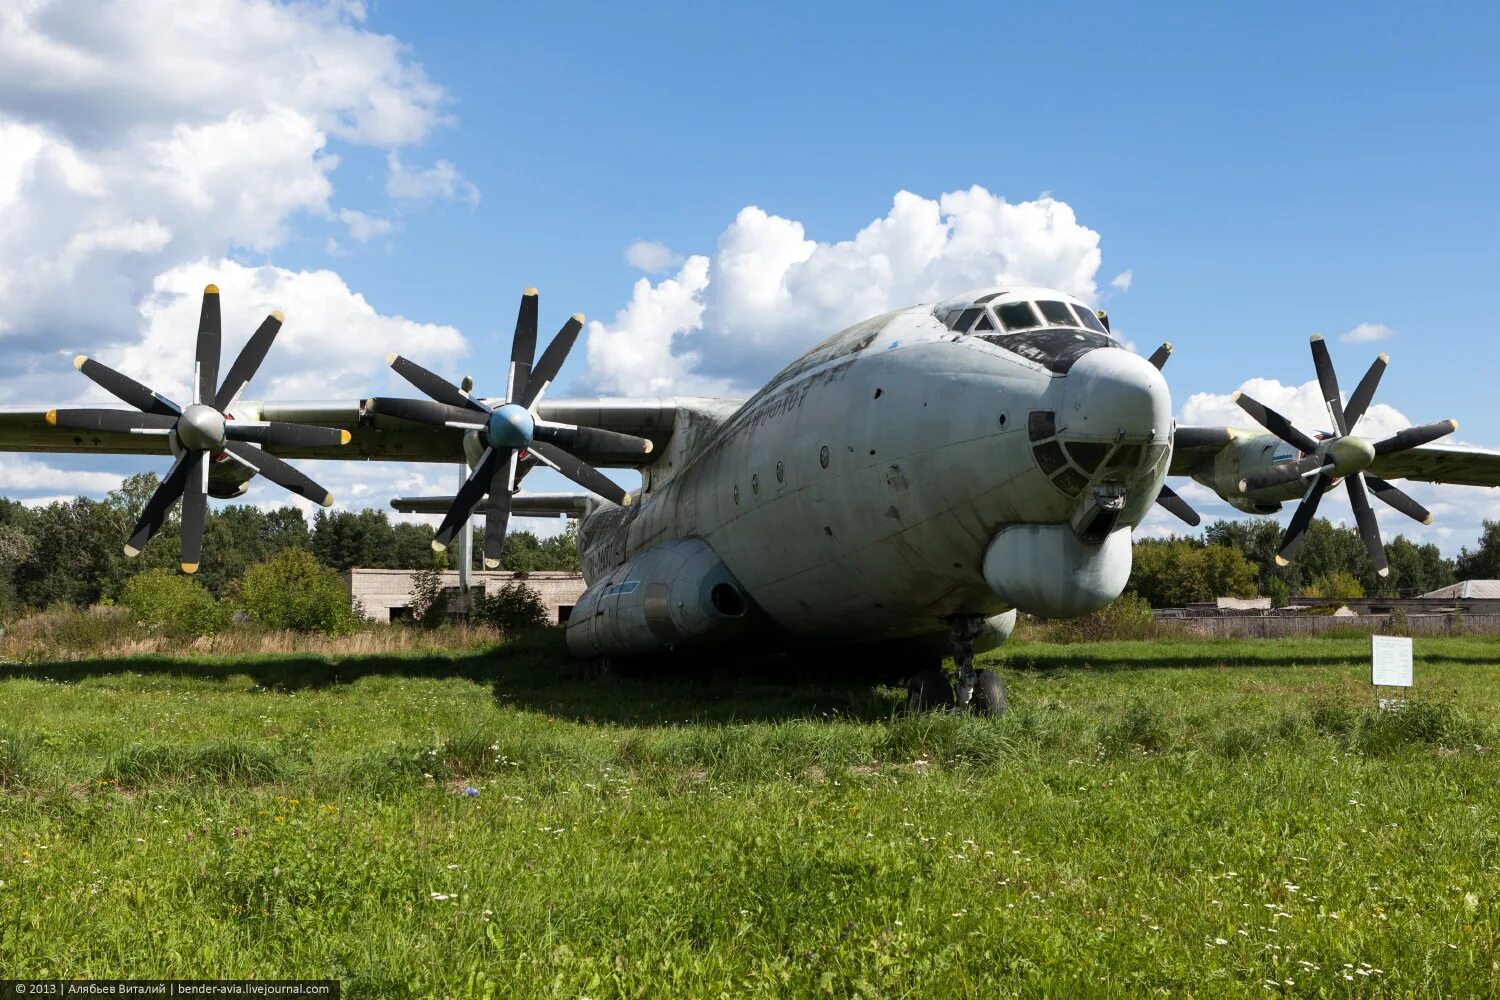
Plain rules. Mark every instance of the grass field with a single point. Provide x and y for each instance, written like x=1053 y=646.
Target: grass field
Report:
x=1183 y=818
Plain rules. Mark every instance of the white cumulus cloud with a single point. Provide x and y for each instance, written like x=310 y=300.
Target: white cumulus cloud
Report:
x=1367 y=333
x=1122 y=280
x=364 y=227
x=439 y=182
x=769 y=291
x=651 y=257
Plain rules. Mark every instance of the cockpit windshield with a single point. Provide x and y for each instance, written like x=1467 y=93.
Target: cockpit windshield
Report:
x=1090 y=320
x=1057 y=314
x=1017 y=316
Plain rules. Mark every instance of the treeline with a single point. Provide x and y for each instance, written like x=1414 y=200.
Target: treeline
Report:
x=71 y=552
x=1238 y=559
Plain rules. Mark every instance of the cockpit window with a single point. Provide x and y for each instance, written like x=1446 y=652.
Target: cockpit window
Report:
x=966 y=320
x=1090 y=320
x=985 y=324
x=1016 y=316
x=1057 y=313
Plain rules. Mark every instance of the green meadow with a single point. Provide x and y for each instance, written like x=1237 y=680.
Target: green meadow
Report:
x=1192 y=819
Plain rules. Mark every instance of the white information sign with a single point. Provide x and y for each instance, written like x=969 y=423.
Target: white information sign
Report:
x=1390 y=661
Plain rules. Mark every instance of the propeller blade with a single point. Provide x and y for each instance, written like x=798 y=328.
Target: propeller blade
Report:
x=1415 y=437
x=1365 y=391
x=425 y=411
x=582 y=473
x=112 y=421
x=1285 y=472
x=154 y=514
x=1169 y=499
x=279 y=472
x=1369 y=528
x=1398 y=500
x=552 y=361
x=1328 y=381
x=1160 y=355
x=594 y=441
x=194 y=511
x=522 y=346
x=1296 y=529
x=210 y=335
x=435 y=386
x=277 y=434
x=468 y=497
x=1276 y=424
x=248 y=363
x=497 y=511
x=126 y=388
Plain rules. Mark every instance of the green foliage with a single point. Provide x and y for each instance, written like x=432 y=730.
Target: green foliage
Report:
x=1175 y=572
x=426 y=597
x=1127 y=617
x=513 y=608
x=367 y=538
x=292 y=590
x=177 y=604
x=1276 y=590
x=1335 y=585
x=1484 y=562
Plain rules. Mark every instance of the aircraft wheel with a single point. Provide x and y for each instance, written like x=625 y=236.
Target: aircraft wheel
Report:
x=989 y=694
x=929 y=689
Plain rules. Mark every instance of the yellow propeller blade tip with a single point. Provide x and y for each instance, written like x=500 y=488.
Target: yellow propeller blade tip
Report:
x=208 y=290
x=438 y=546
x=1455 y=425
x=1385 y=358
x=390 y=359
x=52 y=418
x=78 y=362
x=345 y=437
x=492 y=564
x=1283 y=561
x=278 y=315
x=1236 y=396
x=1383 y=571
x=1315 y=338
x=1427 y=519
x=327 y=500
x=649 y=446
x=626 y=501
x=190 y=567
x=579 y=317
x=530 y=291
x=131 y=552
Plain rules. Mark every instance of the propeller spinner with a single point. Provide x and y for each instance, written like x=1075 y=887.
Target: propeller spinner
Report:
x=510 y=432
x=201 y=430
x=1344 y=455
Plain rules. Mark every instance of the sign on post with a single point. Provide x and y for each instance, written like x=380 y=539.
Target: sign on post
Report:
x=1390 y=663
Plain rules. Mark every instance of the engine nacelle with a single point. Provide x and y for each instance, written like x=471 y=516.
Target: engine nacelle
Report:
x=1047 y=571
x=674 y=594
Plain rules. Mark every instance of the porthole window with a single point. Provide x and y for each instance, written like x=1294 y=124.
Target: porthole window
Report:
x=755 y=483
x=736 y=493
x=780 y=473
x=823 y=457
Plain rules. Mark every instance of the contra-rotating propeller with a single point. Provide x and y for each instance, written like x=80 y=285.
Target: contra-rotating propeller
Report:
x=201 y=431
x=511 y=432
x=1342 y=455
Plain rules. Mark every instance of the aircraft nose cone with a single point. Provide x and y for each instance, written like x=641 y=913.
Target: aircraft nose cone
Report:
x=1111 y=393
x=511 y=426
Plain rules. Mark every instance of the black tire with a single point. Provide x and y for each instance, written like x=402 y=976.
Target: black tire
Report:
x=928 y=690
x=989 y=694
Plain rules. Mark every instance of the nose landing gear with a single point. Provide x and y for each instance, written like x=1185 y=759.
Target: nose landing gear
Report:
x=980 y=690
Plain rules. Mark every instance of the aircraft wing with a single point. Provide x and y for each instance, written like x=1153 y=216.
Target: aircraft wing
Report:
x=1192 y=446
x=1459 y=465
x=372 y=437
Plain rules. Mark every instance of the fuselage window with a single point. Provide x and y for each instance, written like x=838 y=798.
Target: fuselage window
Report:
x=985 y=324
x=1090 y=320
x=966 y=320
x=1017 y=316
x=1057 y=313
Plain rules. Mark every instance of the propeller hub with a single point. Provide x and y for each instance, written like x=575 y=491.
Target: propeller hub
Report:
x=510 y=426
x=1351 y=454
x=201 y=428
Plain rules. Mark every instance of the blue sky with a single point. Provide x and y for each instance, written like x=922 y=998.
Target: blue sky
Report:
x=1261 y=173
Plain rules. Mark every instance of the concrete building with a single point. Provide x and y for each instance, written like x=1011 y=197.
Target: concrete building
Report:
x=385 y=594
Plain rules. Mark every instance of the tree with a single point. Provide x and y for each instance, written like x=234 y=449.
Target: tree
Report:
x=1178 y=571
x=293 y=591
x=1484 y=562
x=1335 y=585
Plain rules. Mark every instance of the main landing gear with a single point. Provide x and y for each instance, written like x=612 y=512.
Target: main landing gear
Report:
x=981 y=690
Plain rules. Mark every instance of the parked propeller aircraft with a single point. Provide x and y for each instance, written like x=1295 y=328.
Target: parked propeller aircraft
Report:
x=909 y=483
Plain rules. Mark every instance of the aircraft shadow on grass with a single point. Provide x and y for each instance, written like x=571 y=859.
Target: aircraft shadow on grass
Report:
x=535 y=675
